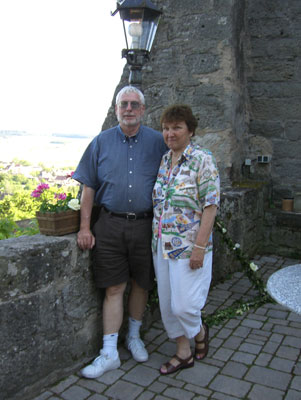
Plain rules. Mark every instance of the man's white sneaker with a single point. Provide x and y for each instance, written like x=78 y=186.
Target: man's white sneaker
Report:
x=100 y=365
x=137 y=348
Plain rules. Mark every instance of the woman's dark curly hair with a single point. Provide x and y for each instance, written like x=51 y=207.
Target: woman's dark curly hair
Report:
x=179 y=113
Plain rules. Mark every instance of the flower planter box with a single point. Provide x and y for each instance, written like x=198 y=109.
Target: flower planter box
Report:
x=58 y=224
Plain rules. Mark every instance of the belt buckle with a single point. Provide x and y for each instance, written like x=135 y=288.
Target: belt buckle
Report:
x=131 y=215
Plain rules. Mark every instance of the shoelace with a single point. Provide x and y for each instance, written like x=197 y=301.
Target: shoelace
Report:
x=100 y=359
x=136 y=344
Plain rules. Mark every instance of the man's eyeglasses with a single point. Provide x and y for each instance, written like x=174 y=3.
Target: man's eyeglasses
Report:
x=134 y=104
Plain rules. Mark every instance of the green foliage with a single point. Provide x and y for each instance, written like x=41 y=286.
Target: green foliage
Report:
x=9 y=228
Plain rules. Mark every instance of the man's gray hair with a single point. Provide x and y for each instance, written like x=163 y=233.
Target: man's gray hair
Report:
x=130 y=89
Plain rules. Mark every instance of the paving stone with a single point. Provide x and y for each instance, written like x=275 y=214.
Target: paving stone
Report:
x=250 y=323
x=198 y=389
x=92 y=384
x=223 y=354
x=178 y=394
x=216 y=342
x=257 y=340
x=214 y=362
x=222 y=396
x=290 y=353
x=151 y=334
x=292 y=395
x=161 y=398
x=75 y=393
x=224 y=333
x=230 y=386
x=297 y=369
x=268 y=377
x=142 y=375
x=63 y=385
x=157 y=387
x=292 y=341
x=155 y=360
x=282 y=365
x=281 y=322
x=168 y=348
x=232 y=323
x=200 y=373
x=160 y=339
x=250 y=348
x=108 y=378
x=275 y=337
x=242 y=331
x=127 y=365
x=145 y=396
x=233 y=342
x=257 y=317
x=286 y=330
x=270 y=347
x=296 y=383
x=171 y=381
x=244 y=358
x=277 y=314
x=260 y=332
x=263 y=359
x=124 y=390
x=262 y=392
x=97 y=396
x=234 y=369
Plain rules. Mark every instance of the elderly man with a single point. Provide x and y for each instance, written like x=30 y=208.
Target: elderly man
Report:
x=118 y=171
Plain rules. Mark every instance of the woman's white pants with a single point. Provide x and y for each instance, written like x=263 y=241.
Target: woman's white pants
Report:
x=182 y=293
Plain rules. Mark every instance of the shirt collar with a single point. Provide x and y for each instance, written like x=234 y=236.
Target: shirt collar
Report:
x=186 y=155
x=123 y=136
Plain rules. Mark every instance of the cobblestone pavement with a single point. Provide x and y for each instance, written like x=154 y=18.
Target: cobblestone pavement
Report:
x=254 y=356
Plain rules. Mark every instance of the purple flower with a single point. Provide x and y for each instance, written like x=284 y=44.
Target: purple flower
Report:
x=36 y=193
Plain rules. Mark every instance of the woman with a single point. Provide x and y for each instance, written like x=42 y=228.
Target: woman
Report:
x=185 y=199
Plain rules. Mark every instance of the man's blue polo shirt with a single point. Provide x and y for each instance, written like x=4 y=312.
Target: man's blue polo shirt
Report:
x=122 y=170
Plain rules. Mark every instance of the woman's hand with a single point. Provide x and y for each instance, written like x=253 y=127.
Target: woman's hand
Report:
x=197 y=258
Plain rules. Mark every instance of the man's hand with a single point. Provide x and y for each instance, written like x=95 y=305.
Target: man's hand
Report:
x=85 y=239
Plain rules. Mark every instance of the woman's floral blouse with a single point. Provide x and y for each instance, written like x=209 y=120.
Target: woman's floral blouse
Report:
x=179 y=198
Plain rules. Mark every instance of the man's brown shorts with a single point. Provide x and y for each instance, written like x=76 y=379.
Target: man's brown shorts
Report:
x=122 y=251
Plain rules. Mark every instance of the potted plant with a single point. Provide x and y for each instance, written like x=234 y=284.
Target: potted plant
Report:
x=58 y=211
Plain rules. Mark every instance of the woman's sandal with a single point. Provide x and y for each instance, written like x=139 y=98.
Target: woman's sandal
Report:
x=183 y=363
x=200 y=354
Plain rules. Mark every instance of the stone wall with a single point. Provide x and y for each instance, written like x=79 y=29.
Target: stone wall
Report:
x=274 y=85
x=198 y=59
x=49 y=312
x=237 y=63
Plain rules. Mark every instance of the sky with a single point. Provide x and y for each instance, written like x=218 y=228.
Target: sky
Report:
x=60 y=62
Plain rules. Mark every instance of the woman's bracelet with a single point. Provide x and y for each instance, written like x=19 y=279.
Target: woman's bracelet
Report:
x=199 y=247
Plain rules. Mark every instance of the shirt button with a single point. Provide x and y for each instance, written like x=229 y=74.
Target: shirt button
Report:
x=124 y=141
x=131 y=159
x=131 y=146
x=130 y=201
x=130 y=186
x=131 y=172
x=136 y=141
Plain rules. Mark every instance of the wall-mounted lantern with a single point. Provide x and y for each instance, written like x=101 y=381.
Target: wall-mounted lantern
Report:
x=140 y=20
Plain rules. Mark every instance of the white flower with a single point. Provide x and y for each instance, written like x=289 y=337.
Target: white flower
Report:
x=237 y=246
x=74 y=204
x=224 y=230
x=253 y=267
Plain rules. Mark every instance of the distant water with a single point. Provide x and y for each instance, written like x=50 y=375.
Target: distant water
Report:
x=52 y=150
